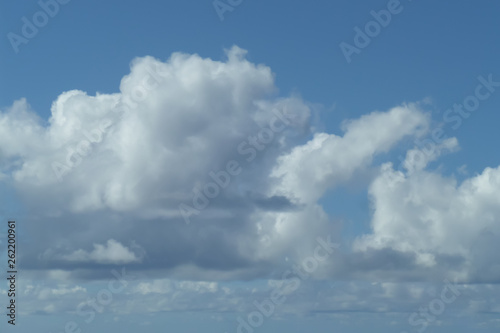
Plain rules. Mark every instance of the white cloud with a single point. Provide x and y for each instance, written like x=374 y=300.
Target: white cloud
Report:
x=157 y=139
x=149 y=147
x=111 y=253
x=428 y=214
x=327 y=160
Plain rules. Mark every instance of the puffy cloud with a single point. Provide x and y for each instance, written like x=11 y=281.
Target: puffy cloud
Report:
x=111 y=253
x=147 y=147
x=109 y=164
x=327 y=160
x=113 y=169
x=430 y=215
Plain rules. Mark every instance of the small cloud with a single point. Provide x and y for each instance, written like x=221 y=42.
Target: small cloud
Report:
x=111 y=253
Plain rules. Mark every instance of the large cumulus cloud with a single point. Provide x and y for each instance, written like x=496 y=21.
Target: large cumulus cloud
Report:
x=103 y=178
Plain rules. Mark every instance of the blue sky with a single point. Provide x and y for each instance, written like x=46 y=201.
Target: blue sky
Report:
x=325 y=174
